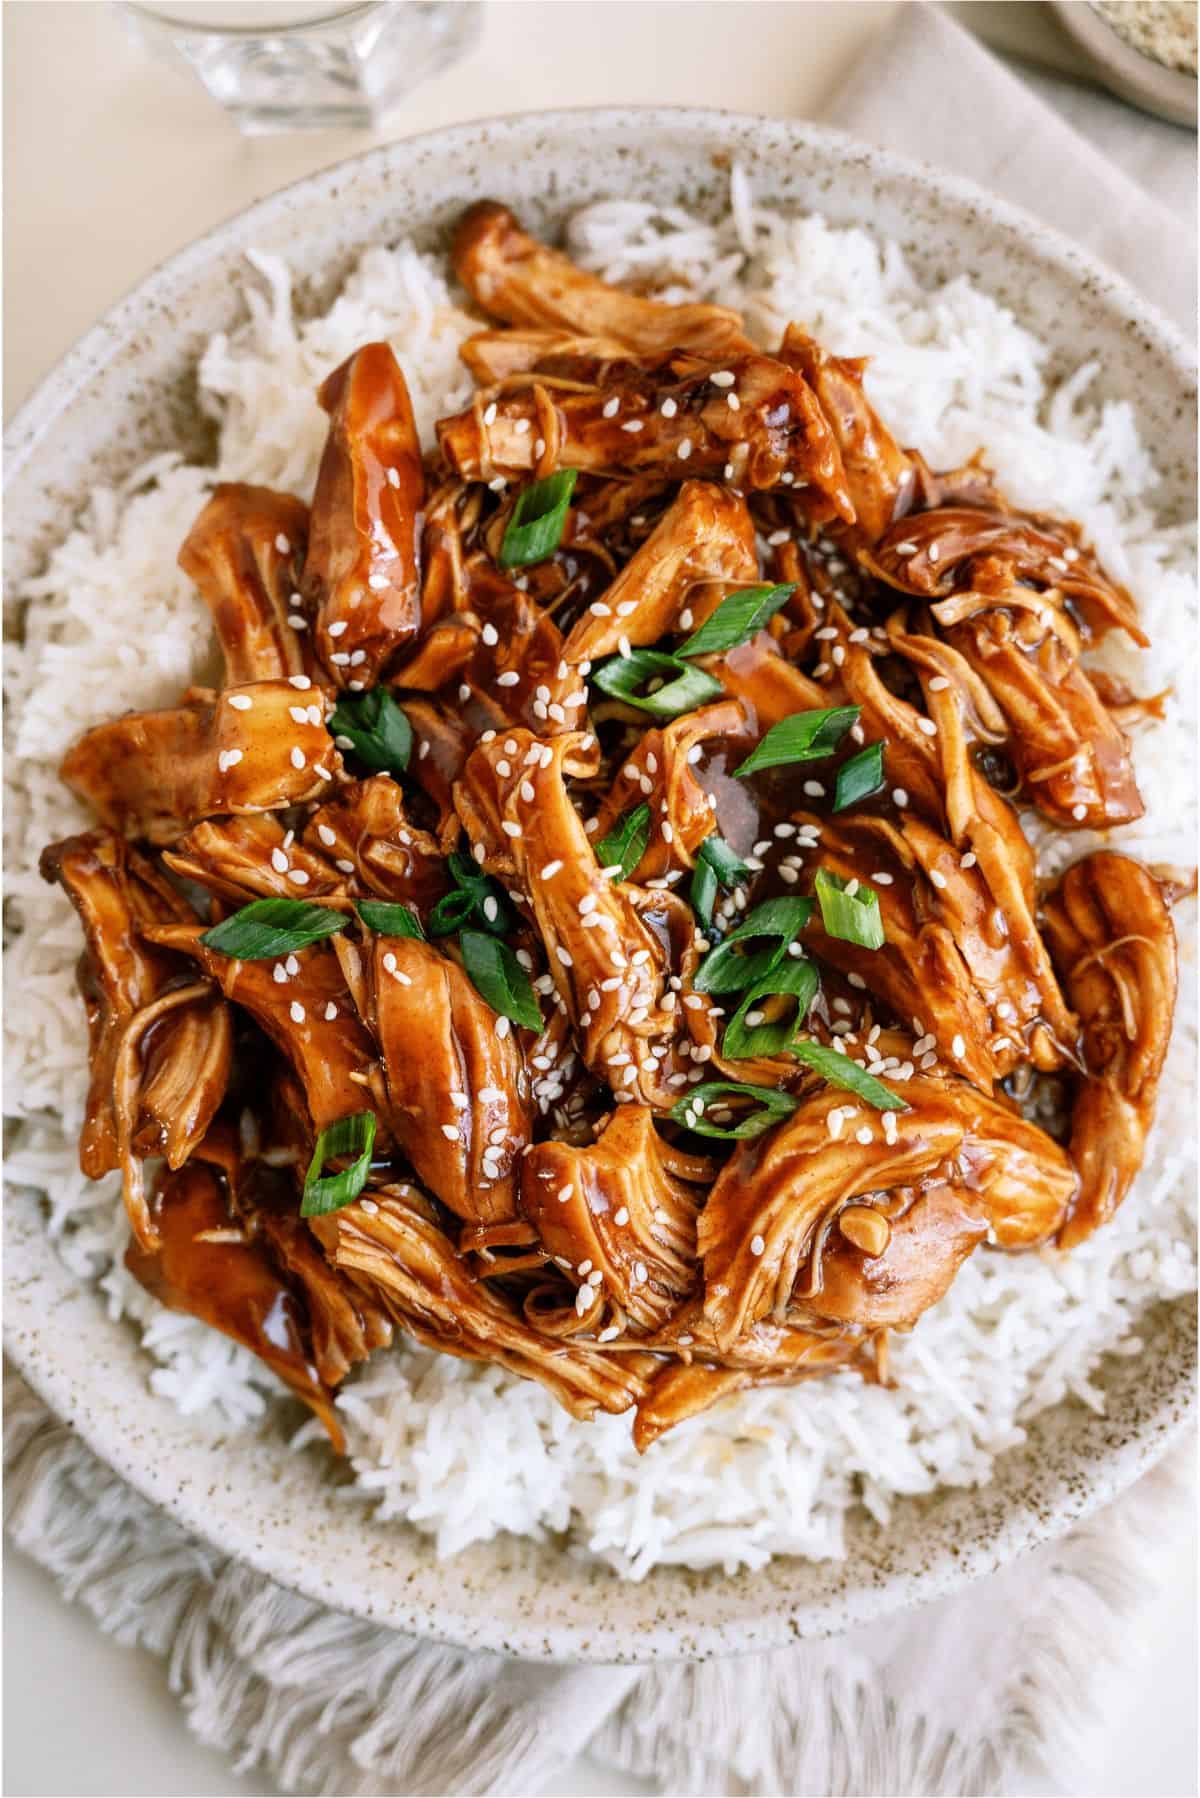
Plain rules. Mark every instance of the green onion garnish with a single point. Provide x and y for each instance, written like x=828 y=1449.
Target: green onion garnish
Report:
x=536 y=525
x=858 y=778
x=389 y=920
x=730 y=968
x=804 y=737
x=792 y=979
x=624 y=846
x=839 y=1070
x=499 y=977
x=736 y=618
x=772 y=1107
x=376 y=728
x=474 y=896
x=681 y=688
x=851 y=917
x=716 y=866
x=355 y=1136
x=272 y=927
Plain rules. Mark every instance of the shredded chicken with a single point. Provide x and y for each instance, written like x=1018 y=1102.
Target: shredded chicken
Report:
x=652 y=1018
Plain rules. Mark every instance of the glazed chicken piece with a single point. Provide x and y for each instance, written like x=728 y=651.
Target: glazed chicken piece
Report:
x=748 y=420
x=442 y=741
x=244 y=553
x=765 y=1227
x=253 y=749
x=303 y=1004
x=1113 y=942
x=950 y=959
x=702 y=546
x=611 y=947
x=208 y=1263
x=771 y=1354
x=660 y=773
x=518 y=279
x=880 y=476
x=493 y=356
x=360 y=575
x=616 y=1215
x=346 y=1322
x=254 y=858
x=455 y=1089
x=930 y=553
x=882 y=1268
x=374 y=847
x=394 y=1243
x=1071 y=755
x=159 y=1041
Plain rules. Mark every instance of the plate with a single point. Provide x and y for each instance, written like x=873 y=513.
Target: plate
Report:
x=1168 y=93
x=126 y=391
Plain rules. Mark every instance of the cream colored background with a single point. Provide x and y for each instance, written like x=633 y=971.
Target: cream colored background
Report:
x=111 y=162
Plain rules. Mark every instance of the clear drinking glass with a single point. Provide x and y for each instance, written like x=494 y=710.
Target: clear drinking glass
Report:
x=282 y=65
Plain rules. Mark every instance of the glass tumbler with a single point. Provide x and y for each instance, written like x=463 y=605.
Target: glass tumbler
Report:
x=282 y=65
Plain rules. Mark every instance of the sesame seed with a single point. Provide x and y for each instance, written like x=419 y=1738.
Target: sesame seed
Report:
x=668 y=408
x=722 y=378
x=489 y=417
x=938 y=684
x=610 y=407
x=241 y=702
x=882 y=879
x=937 y=878
x=958 y=1048
x=490 y=909
x=865 y=1135
x=733 y=402
x=934 y=553
x=298 y=875
x=340 y=659
x=279 y=973
x=450 y=1132
x=906 y=549
x=344 y=867
x=490 y=635
x=508 y=679
x=298 y=713
x=685 y=449
x=330 y=1012
x=564 y=956
x=550 y=870
x=899 y=796
x=298 y=758
x=282 y=544
x=228 y=758
x=640 y=1276
x=297 y=1012
x=1079 y=813
x=510 y=829
x=502 y=1028
x=526 y=791
x=301 y=682
x=633 y=424
x=757 y=1245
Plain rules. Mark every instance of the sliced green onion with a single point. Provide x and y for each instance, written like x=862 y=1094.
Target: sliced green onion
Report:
x=851 y=917
x=451 y=912
x=353 y=1135
x=736 y=618
x=536 y=525
x=803 y=737
x=728 y=968
x=272 y=927
x=839 y=1070
x=703 y=891
x=497 y=974
x=793 y=979
x=376 y=728
x=858 y=778
x=624 y=847
x=681 y=688
x=716 y=866
x=389 y=920
x=475 y=896
x=772 y=1104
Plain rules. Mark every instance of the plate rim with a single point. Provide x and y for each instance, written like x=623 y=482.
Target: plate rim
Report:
x=1159 y=1427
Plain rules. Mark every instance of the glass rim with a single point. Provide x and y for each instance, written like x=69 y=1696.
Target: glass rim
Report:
x=163 y=15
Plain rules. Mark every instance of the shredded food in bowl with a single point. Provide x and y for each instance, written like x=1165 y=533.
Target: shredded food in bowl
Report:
x=591 y=927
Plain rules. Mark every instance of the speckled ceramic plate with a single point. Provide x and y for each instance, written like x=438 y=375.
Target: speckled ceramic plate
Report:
x=127 y=390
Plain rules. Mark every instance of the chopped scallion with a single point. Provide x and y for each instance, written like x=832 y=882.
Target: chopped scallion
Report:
x=270 y=927
x=793 y=980
x=860 y=777
x=353 y=1136
x=771 y=1106
x=737 y=618
x=801 y=737
x=497 y=974
x=839 y=1070
x=377 y=727
x=851 y=917
x=680 y=687
x=389 y=920
x=731 y=967
x=538 y=519
x=625 y=845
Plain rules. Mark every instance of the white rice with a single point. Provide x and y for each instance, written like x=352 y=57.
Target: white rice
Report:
x=463 y=1451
